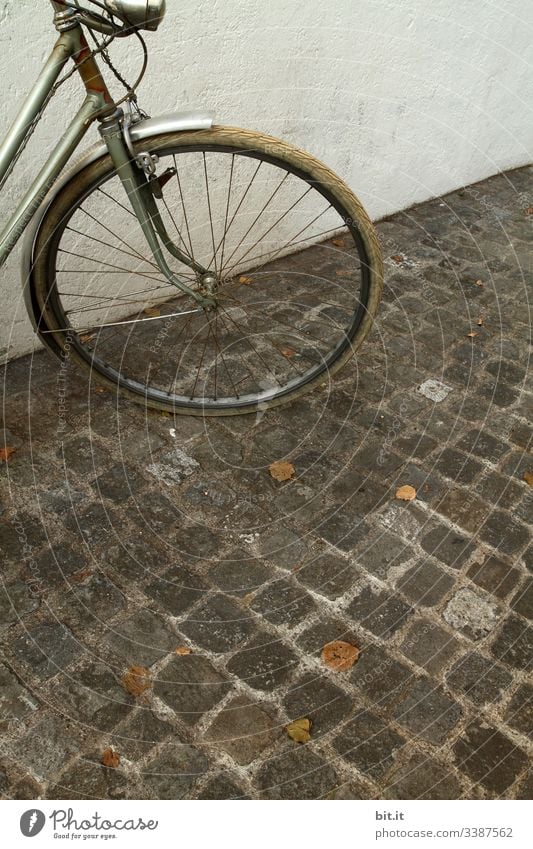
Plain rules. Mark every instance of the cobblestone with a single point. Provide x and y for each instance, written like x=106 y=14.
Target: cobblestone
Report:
x=479 y=679
x=243 y=730
x=138 y=535
x=489 y=757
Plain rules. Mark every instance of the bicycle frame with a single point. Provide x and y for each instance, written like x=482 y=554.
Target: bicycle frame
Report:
x=70 y=45
x=98 y=104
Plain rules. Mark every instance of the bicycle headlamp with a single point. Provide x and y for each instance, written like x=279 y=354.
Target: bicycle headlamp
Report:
x=144 y=14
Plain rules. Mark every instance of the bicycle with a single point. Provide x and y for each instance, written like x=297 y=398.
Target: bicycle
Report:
x=201 y=269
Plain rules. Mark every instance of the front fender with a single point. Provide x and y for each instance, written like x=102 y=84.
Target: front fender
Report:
x=174 y=123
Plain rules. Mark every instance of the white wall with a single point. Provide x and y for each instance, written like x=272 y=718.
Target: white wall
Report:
x=406 y=99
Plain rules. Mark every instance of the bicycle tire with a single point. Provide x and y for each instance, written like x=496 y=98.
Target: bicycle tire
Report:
x=50 y=316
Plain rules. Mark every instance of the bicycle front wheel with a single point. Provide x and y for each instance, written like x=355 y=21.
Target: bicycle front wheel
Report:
x=290 y=255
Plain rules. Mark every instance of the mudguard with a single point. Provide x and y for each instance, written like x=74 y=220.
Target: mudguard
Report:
x=174 y=123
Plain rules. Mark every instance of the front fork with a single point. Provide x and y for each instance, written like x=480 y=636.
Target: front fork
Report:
x=141 y=198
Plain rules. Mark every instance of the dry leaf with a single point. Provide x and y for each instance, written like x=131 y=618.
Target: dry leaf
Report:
x=339 y=243
x=6 y=453
x=299 y=730
x=182 y=651
x=397 y=257
x=340 y=655
x=281 y=470
x=81 y=576
x=479 y=283
x=406 y=493
x=136 y=680
x=246 y=281
x=110 y=758
x=480 y=321
x=152 y=311
x=86 y=337
x=287 y=352
x=528 y=477
x=529 y=210
x=342 y=272
x=472 y=334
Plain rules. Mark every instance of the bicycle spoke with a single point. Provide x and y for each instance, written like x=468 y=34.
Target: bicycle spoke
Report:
x=94 y=328
x=241 y=357
x=290 y=244
x=200 y=364
x=119 y=238
x=230 y=317
x=125 y=208
x=210 y=215
x=184 y=210
x=258 y=216
x=223 y=240
x=177 y=229
x=181 y=335
x=243 y=198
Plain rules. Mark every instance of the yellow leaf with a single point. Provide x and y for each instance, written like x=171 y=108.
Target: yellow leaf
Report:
x=340 y=655
x=246 y=281
x=528 y=477
x=152 y=311
x=299 y=730
x=406 y=493
x=182 y=650
x=110 y=758
x=281 y=470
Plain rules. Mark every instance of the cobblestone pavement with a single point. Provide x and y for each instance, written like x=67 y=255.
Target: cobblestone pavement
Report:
x=127 y=535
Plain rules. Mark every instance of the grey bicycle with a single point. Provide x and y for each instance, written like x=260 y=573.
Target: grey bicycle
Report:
x=199 y=269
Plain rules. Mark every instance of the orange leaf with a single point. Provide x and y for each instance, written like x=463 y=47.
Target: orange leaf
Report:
x=528 y=477
x=6 y=453
x=339 y=243
x=182 y=650
x=281 y=470
x=397 y=257
x=110 y=758
x=342 y=272
x=529 y=210
x=340 y=655
x=246 y=281
x=406 y=493
x=288 y=352
x=136 y=680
